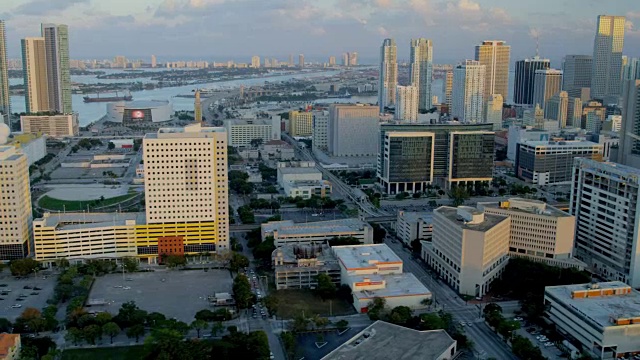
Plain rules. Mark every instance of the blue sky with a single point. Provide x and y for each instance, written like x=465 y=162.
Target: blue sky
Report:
x=220 y=29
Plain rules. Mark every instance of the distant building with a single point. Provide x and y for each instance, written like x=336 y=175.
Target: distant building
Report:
x=5 y=96
x=241 y=132
x=547 y=84
x=353 y=58
x=525 y=79
x=320 y=131
x=15 y=202
x=576 y=80
x=407 y=103
x=412 y=226
x=518 y=134
x=574 y=113
x=469 y=248
x=383 y=340
x=332 y=60
x=448 y=89
x=352 y=128
x=277 y=150
x=287 y=232
x=593 y=115
x=604 y=200
x=468 y=92
x=154 y=61
x=300 y=123
x=607 y=58
x=56 y=45
x=255 y=61
x=550 y=162
x=556 y=109
x=629 y=151
x=539 y=232
x=297 y=171
x=494 y=111
x=602 y=317
x=301 y=60
x=421 y=72
x=140 y=112
x=57 y=126
x=298 y=266
x=388 y=79
x=496 y=57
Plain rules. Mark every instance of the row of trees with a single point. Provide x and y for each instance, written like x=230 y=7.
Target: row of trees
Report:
x=493 y=315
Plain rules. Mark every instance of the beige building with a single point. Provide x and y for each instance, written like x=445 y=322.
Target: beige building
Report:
x=241 y=132
x=255 y=61
x=388 y=79
x=604 y=318
x=470 y=248
x=297 y=266
x=300 y=123
x=412 y=226
x=407 y=103
x=495 y=56
x=287 y=232
x=494 y=111
x=539 y=232
x=35 y=75
x=57 y=126
x=352 y=128
x=78 y=237
x=186 y=181
x=15 y=204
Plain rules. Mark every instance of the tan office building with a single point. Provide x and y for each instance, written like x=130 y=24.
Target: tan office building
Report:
x=34 y=67
x=52 y=125
x=15 y=204
x=470 y=248
x=539 y=232
x=186 y=183
x=495 y=56
x=301 y=123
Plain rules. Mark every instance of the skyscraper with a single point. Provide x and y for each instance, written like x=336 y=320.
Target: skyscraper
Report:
x=388 y=74
x=332 y=60
x=34 y=70
x=301 y=60
x=576 y=71
x=255 y=61
x=196 y=191
x=494 y=111
x=5 y=98
x=607 y=58
x=56 y=41
x=353 y=58
x=345 y=59
x=557 y=107
x=290 y=59
x=448 y=89
x=495 y=55
x=407 y=99
x=629 y=149
x=547 y=83
x=15 y=202
x=631 y=70
x=154 y=61
x=197 y=107
x=525 y=77
x=421 y=58
x=468 y=91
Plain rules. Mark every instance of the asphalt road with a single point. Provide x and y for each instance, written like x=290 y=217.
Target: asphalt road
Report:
x=487 y=343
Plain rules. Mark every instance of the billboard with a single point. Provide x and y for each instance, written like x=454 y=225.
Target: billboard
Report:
x=137 y=115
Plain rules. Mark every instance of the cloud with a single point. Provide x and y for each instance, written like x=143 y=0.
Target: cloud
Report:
x=633 y=14
x=42 y=7
x=382 y=31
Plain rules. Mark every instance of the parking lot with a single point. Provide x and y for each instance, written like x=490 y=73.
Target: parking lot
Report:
x=550 y=352
x=176 y=294
x=12 y=289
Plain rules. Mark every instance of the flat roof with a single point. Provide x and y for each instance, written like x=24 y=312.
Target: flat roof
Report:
x=599 y=309
x=327 y=227
x=298 y=170
x=536 y=207
x=78 y=220
x=195 y=130
x=564 y=143
x=489 y=222
x=608 y=166
x=397 y=285
x=250 y=122
x=386 y=341
x=364 y=256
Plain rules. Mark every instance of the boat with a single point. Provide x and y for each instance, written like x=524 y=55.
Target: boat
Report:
x=88 y=99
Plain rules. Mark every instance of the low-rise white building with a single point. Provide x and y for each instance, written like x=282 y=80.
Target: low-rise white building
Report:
x=307 y=188
x=240 y=132
x=469 y=248
x=297 y=171
x=603 y=317
x=277 y=150
x=414 y=225
x=288 y=232
x=373 y=271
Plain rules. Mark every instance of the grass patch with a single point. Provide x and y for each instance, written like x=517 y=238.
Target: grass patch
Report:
x=50 y=203
x=110 y=353
x=293 y=302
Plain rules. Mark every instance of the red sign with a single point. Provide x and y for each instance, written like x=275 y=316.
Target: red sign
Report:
x=137 y=114
x=368 y=283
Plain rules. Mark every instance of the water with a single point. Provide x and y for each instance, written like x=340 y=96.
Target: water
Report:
x=90 y=112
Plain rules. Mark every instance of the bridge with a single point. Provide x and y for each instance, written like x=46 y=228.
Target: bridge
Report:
x=381 y=219
x=243 y=227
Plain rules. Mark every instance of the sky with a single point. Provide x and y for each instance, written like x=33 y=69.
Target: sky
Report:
x=236 y=29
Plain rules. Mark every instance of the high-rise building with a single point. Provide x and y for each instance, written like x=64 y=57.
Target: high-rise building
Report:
x=197 y=107
x=421 y=58
x=56 y=42
x=494 y=111
x=15 y=202
x=604 y=200
x=388 y=74
x=290 y=59
x=547 y=83
x=120 y=61
x=593 y=116
x=631 y=70
x=255 y=61
x=195 y=190
x=332 y=60
x=267 y=63
x=495 y=55
x=320 y=130
x=408 y=165
x=353 y=58
x=300 y=123
x=352 y=128
x=574 y=113
x=468 y=91
x=469 y=248
x=525 y=79
x=345 y=59
x=470 y=158
x=301 y=60
x=576 y=76
x=34 y=70
x=629 y=149
x=154 y=61
x=407 y=99
x=607 y=58
x=557 y=107
x=5 y=96
x=448 y=89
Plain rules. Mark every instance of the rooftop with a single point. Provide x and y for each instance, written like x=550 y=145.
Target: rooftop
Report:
x=383 y=341
x=192 y=130
x=602 y=304
x=489 y=222
x=77 y=220
x=250 y=122
x=609 y=167
x=396 y=285
x=563 y=143
x=364 y=256
x=292 y=253
x=415 y=216
x=337 y=227
x=298 y=170
x=529 y=206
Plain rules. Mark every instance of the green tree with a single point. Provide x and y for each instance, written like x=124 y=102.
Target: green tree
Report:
x=199 y=325
x=271 y=303
x=74 y=335
x=91 y=333
x=130 y=315
x=5 y=325
x=431 y=321
x=62 y=263
x=135 y=331
x=111 y=329
x=103 y=318
x=155 y=318
x=300 y=323
x=238 y=261
x=22 y=267
x=342 y=325
x=400 y=315
x=326 y=288
x=174 y=261
x=130 y=264
x=205 y=315
x=242 y=291
x=459 y=194
x=491 y=307
x=289 y=343
x=216 y=328
x=165 y=344
x=377 y=308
